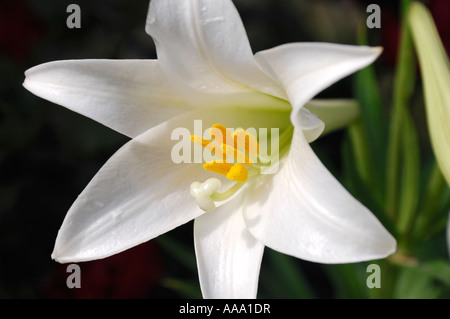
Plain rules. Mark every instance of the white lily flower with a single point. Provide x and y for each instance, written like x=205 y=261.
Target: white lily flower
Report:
x=206 y=71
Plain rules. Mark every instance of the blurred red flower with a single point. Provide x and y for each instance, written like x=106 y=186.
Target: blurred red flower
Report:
x=130 y=274
x=19 y=29
x=390 y=28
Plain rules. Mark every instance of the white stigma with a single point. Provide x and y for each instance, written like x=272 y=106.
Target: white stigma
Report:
x=202 y=193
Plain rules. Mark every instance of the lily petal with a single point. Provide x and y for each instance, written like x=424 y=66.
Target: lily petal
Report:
x=203 y=47
x=305 y=69
x=129 y=96
x=139 y=194
x=309 y=215
x=311 y=124
x=228 y=256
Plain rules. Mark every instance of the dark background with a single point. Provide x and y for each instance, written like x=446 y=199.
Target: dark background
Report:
x=48 y=154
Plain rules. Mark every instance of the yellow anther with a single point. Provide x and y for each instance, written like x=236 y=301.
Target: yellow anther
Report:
x=218 y=167
x=200 y=141
x=246 y=141
x=209 y=145
x=239 y=156
x=238 y=173
x=221 y=134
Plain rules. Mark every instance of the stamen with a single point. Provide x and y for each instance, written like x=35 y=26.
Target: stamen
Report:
x=209 y=145
x=221 y=134
x=218 y=167
x=238 y=173
x=246 y=141
x=239 y=156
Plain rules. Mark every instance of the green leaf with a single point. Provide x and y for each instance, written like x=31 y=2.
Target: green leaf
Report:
x=435 y=205
x=369 y=138
x=368 y=94
x=403 y=150
x=360 y=152
x=438 y=270
x=348 y=280
x=285 y=278
x=409 y=194
x=354 y=149
x=413 y=284
x=189 y=290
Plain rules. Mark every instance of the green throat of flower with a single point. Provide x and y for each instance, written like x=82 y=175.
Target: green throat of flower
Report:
x=239 y=157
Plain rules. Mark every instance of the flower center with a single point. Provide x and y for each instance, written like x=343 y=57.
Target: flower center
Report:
x=235 y=153
x=237 y=156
